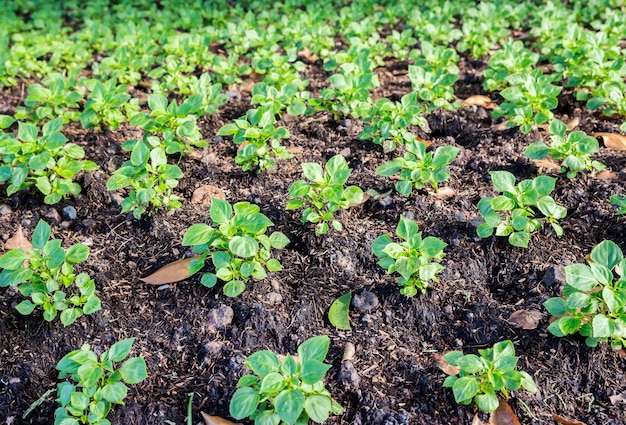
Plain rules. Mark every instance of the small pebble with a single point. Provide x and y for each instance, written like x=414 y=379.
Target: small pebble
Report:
x=365 y=302
x=220 y=317
x=88 y=242
x=65 y=224
x=409 y=215
x=231 y=94
x=69 y=213
x=163 y=287
x=555 y=275
x=5 y=209
x=26 y=223
x=386 y=201
x=88 y=222
x=476 y=221
x=274 y=298
x=349 y=376
x=460 y=216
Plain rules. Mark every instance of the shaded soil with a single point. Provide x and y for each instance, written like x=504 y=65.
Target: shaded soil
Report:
x=483 y=281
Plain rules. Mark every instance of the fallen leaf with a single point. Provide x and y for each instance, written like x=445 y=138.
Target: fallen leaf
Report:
x=18 y=240
x=503 y=415
x=446 y=367
x=478 y=100
x=216 y=420
x=612 y=140
x=526 y=319
x=565 y=421
x=477 y=421
x=546 y=163
x=573 y=123
x=170 y=273
x=348 y=352
x=204 y=194
x=605 y=175
x=445 y=192
x=619 y=398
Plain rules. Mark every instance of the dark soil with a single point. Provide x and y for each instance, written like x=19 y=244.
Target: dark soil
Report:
x=483 y=281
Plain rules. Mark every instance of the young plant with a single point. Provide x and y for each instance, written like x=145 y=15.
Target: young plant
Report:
x=259 y=140
x=593 y=302
x=512 y=58
x=529 y=100
x=45 y=273
x=574 y=150
x=46 y=161
x=94 y=384
x=108 y=104
x=325 y=194
x=434 y=88
x=148 y=176
x=419 y=167
x=619 y=202
x=482 y=377
x=412 y=258
x=514 y=213
x=237 y=243
x=286 y=392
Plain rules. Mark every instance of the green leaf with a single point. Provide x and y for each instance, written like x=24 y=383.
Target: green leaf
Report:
x=220 y=211
x=317 y=407
x=14 y=277
x=465 y=388
x=27 y=132
x=208 y=279
x=114 y=392
x=77 y=253
x=313 y=371
x=486 y=402
x=406 y=228
x=198 y=234
x=555 y=306
x=314 y=348
x=243 y=246
x=433 y=246
x=388 y=169
x=569 y=325
x=244 y=402
x=469 y=363
x=289 y=405
x=338 y=312
x=519 y=239
x=256 y=223
x=607 y=253
x=580 y=277
x=120 y=349
x=263 y=363
x=503 y=181
x=79 y=400
x=14 y=259
x=139 y=154
x=25 y=307
x=313 y=172
x=502 y=203
x=40 y=235
x=558 y=127
x=278 y=240
x=602 y=327
x=133 y=370
x=272 y=383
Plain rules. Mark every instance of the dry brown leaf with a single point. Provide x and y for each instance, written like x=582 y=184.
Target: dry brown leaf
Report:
x=617 y=399
x=348 y=352
x=605 y=175
x=564 y=421
x=478 y=100
x=204 y=194
x=503 y=415
x=216 y=420
x=446 y=367
x=477 y=421
x=546 y=163
x=612 y=140
x=445 y=192
x=621 y=353
x=573 y=123
x=170 y=273
x=526 y=319
x=18 y=240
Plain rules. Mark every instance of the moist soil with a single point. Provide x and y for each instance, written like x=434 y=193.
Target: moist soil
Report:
x=189 y=347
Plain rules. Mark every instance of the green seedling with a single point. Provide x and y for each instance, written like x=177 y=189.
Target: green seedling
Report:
x=93 y=384
x=574 y=151
x=619 y=202
x=514 y=213
x=412 y=258
x=325 y=194
x=45 y=274
x=512 y=58
x=108 y=105
x=593 y=302
x=418 y=167
x=434 y=87
x=148 y=176
x=286 y=392
x=482 y=377
x=46 y=161
x=237 y=244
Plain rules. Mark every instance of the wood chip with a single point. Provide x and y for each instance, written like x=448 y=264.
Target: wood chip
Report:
x=564 y=421
x=612 y=140
x=204 y=194
x=526 y=319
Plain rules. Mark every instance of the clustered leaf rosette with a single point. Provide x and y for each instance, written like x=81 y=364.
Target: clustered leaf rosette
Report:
x=412 y=258
x=515 y=212
x=45 y=273
x=95 y=383
x=574 y=151
x=237 y=243
x=593 y=302
x=286 y=392
x=325 y=194
x=482 y=377
x=46 y=161
x=419 y=167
